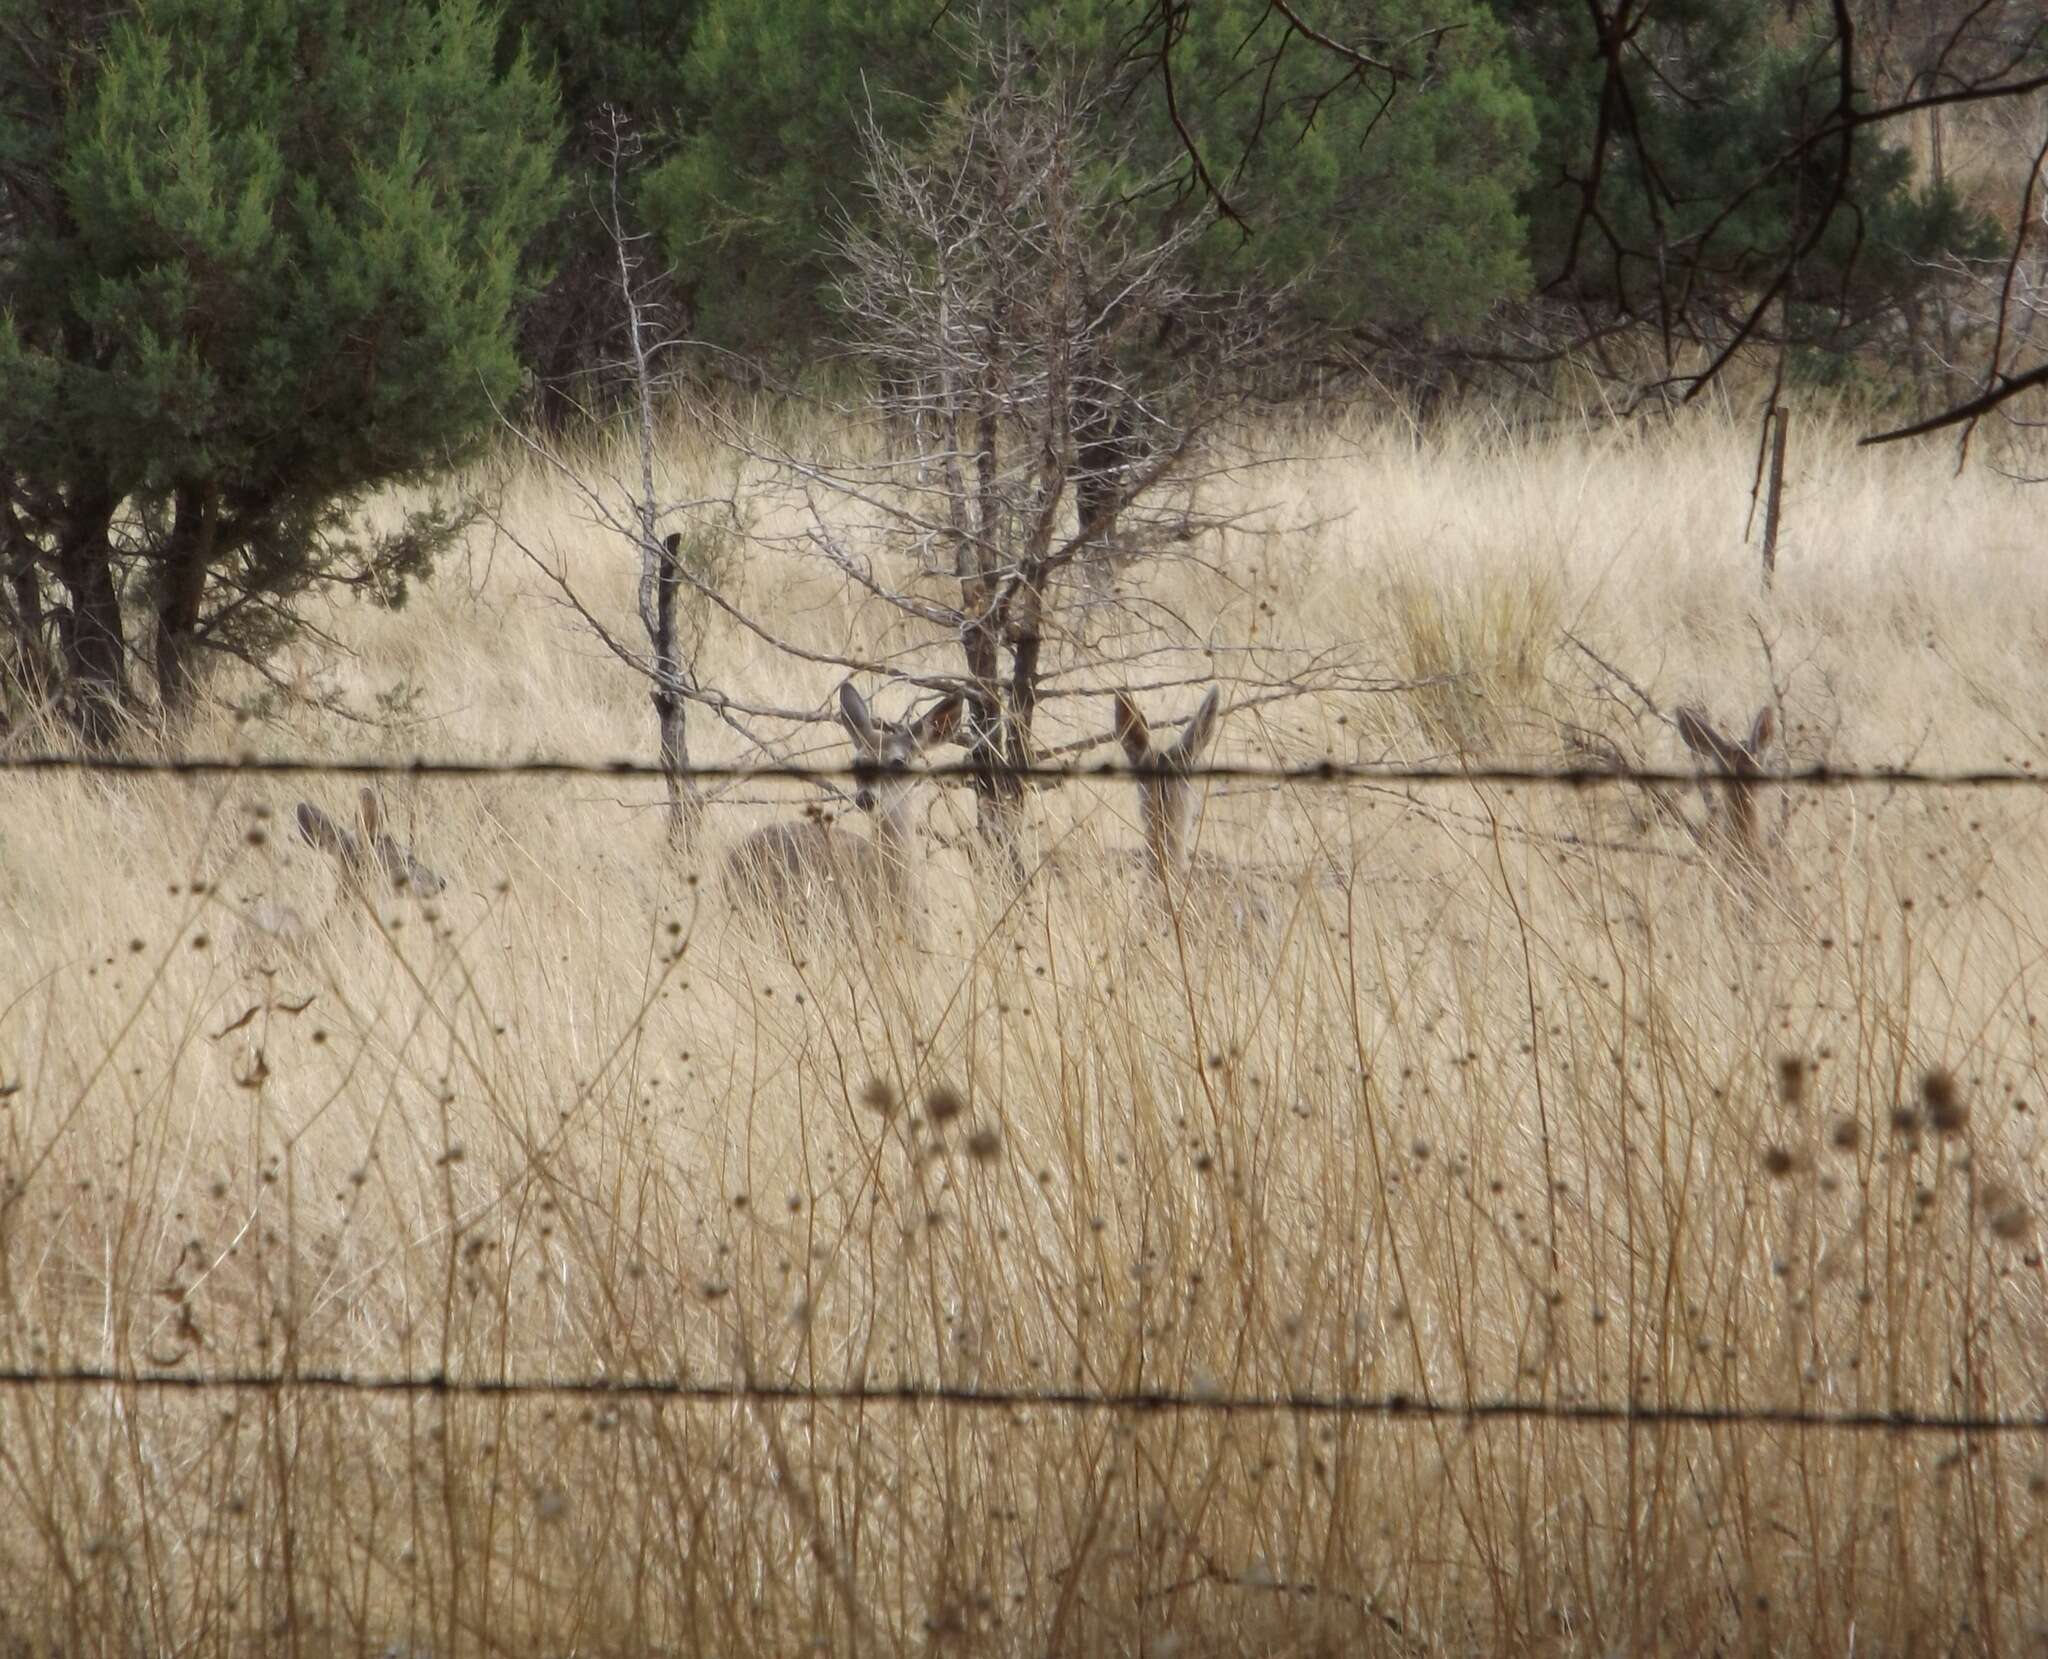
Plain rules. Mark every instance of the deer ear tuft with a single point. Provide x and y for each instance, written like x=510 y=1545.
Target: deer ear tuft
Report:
x=316 y=829
x=853 y=710
x=1131 y=730
x=1200 y=729
x=1698 y=734
x=1761 y=730
x=940 y=725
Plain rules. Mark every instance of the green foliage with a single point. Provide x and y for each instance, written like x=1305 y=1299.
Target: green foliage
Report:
x=608 y=58
x=625 y=54
x=747 y=205
x=1392 y=207
x=1707 y=178
x=1403 y=217
x=1408 y=202
x=268 y=259
x=284 y=275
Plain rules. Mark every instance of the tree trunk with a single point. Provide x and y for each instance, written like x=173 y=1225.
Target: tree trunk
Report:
x=991 y=747
x=181 y=588
x=1102 y=431
x=92 y=644
x=1026 y=622
x=1774 y=498
x=669 y=713
x=1010 y=745
x=29 y=659
x=982 y=603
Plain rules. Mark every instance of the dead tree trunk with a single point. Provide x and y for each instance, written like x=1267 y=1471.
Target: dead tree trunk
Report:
x=1102 y=434
x=660 y=568
x=1773 y=499
x=683 y=802
x=984 y=604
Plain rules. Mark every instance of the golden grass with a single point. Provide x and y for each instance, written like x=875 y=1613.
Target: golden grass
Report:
x=1515 y=1095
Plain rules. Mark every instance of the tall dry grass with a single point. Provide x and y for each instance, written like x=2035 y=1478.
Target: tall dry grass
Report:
x=1496 y=1094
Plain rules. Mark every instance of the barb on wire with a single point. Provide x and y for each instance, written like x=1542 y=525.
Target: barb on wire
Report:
x=1140 y=1402
x=967 y=771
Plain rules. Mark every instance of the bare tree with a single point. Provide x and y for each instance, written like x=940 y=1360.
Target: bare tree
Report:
x=636 y=514
x=660 y=556
x=1053 y=382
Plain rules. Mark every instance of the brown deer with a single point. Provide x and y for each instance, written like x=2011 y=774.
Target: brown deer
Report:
x=1739 y=764
x=787 y=869
x=1166 y=799
x=1166 y=793
x=373 y=861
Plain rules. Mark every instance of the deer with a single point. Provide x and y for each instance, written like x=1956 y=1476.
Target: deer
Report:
x=1166 y=798
x=786 y=870
x=372 y=861
x=1740 y=764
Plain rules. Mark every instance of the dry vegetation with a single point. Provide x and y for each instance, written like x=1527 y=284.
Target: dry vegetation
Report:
x=1493 y=1093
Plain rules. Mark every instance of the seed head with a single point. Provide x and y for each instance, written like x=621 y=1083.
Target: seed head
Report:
x=2007 y=1215
x=1946 y=1110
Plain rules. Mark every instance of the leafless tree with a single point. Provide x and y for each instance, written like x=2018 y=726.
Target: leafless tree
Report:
x=635 y=512
x=1054 y=383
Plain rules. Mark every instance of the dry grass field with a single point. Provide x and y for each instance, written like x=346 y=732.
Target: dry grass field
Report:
x=1449 y=1092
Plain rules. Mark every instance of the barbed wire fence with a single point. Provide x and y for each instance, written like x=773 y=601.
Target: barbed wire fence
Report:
x=1396 y=1407
x=1133 y=1402
x=1329 y=772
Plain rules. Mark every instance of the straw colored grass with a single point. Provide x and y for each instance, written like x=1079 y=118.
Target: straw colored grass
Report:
x=1510 y=1094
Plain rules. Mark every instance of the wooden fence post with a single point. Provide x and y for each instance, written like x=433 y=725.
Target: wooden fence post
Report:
x=1781 y=417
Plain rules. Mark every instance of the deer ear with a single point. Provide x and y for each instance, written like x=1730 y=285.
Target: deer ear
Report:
x=1761 y=731
x=853 y=710
x=1131 y=730
x=1696 y=734
x=317 y=829
x=373 y=812
x=939 y=725
x=1200 y=729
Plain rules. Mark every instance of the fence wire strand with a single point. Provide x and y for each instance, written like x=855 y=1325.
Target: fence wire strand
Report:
x=967 y=771
x=1137 y=1402
x=660 y=1390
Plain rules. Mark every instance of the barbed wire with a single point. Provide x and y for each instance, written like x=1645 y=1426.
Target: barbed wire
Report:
x=1314 y=772
x=1136 y=1402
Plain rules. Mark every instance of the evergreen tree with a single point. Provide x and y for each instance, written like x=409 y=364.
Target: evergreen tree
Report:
x=1385 y=197
x=1404 y=215
x=264 y=259
x=1678 y=174
x=609 y=58
x=748 y=204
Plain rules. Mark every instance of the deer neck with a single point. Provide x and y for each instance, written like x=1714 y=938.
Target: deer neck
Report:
x=890 y=838
x=1166 y=816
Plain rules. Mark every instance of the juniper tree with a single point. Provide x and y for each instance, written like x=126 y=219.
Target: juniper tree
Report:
x=261 y=259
